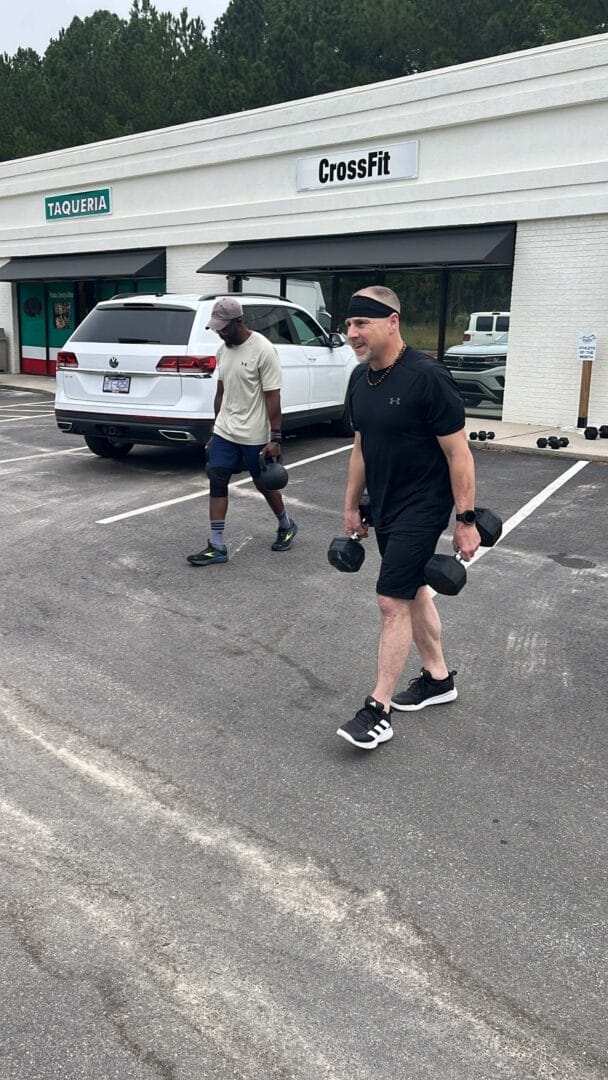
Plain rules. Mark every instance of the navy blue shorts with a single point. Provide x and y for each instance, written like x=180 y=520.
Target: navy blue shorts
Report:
x=223 y=454
x=405 y=552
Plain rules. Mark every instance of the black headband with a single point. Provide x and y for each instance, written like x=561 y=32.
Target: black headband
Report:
x=365 y=307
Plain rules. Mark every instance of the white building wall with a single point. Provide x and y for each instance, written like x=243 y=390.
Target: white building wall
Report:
x=182 y=264
x=509 y=138
x=560 y=288
x=8 y=322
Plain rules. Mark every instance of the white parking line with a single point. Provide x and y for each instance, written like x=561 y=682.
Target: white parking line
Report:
x=27 y=405
x=44 y=454
x=508 y=525
x=34 y=416
x=199 y=494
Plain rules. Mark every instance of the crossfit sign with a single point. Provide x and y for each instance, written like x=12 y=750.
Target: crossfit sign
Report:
x=374 y=165
x=78 y=204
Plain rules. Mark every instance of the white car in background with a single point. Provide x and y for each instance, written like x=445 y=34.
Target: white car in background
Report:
x=479 y=371
x=142 y=369
x=486 y=327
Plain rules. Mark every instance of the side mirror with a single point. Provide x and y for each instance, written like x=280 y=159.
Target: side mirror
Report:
x=335 y=340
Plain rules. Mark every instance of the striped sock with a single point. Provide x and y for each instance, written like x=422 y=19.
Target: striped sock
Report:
x=217 y=534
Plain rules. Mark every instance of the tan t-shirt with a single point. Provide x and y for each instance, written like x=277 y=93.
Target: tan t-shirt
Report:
x=246 y=371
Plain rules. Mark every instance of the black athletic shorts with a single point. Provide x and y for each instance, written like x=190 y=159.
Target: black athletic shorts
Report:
x=405 y=551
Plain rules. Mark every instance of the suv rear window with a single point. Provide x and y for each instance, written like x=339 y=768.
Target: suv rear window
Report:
x=137 y=325
x=484 y=322
x=502 y=323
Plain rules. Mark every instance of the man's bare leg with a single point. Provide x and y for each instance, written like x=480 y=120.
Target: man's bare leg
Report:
x=426 y=632
x=394 y=645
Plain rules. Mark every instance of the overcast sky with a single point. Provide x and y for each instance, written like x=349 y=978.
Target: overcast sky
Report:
x=30 y=24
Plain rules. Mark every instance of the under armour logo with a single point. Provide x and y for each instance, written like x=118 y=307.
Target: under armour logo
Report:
x=394 y=401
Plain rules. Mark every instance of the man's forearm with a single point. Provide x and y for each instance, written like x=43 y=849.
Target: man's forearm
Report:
x=355 y=483
x=462 y=480
x=272 y=399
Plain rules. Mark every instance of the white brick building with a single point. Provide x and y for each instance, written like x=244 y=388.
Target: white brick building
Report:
x=511 y=150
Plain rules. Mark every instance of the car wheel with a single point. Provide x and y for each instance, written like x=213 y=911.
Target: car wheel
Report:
x=103 y=447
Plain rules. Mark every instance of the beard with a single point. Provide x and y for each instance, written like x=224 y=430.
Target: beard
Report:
x=364 y=355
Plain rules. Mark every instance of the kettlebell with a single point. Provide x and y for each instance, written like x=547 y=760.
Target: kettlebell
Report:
x=273 y=475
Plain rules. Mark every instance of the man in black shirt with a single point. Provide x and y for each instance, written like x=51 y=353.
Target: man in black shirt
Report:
x=412 y=454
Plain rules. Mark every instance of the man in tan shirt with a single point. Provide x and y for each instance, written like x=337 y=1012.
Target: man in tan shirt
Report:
x=247 y=410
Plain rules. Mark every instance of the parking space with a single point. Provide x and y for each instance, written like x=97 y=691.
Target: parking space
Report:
x=200 y=880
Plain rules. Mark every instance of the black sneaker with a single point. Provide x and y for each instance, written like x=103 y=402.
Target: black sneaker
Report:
x=209 y=555
x=370 y=726
x=425 y=691
x=285 y=537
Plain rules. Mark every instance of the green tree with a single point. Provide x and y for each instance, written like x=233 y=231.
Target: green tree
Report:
x=24 y=106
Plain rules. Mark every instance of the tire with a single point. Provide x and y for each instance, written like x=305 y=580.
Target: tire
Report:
x=105 y=448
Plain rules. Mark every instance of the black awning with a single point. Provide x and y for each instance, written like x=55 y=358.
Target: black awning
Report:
x=491 y=245
x=102 y=264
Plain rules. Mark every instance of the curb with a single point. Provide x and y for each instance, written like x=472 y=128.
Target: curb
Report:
x=564 y=451
x=26 y=389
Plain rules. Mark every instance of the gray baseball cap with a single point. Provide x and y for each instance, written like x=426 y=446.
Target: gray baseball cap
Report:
x=224 y=311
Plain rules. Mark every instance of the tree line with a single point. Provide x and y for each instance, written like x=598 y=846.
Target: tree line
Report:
x=105 y=76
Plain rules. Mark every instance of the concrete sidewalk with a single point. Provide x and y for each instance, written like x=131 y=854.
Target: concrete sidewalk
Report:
x=507 y=436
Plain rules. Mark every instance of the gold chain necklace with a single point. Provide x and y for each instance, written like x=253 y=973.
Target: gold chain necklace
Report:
x=385 y=371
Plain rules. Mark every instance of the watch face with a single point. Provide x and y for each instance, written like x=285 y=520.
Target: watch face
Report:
x=469 y=517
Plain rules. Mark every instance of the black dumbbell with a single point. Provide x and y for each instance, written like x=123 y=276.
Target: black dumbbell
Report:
x=564 y=441
x=554 y=442
x=489 y=526
x=481 y=435
x=591 y=433
x=346 y=553
x=490 y=434
x=473 y=435
x=446 y=574
x=541 y=443
x=604 y=431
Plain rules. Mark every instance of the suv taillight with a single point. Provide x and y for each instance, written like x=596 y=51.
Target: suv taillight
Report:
x=66 y=359
x=187 y=363
x=466 y=336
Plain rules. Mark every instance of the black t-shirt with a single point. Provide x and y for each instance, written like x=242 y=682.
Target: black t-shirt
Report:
x=399 y=420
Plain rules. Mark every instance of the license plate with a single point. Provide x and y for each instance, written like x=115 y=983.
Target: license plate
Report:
x=116 y=384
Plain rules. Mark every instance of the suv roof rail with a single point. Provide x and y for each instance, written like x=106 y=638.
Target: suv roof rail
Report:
x=267 y=296
x=125 y=295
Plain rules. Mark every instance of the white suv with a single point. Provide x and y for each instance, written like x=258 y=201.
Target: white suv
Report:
x=141 y=369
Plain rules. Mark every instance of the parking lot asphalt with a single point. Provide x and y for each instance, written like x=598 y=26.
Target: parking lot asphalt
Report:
x=198 y=879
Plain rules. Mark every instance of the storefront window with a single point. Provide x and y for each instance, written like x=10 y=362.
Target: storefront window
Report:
x=477 y=337
x=50 y=311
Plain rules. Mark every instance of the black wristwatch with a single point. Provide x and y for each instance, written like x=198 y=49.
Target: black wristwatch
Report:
x=468 y=517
